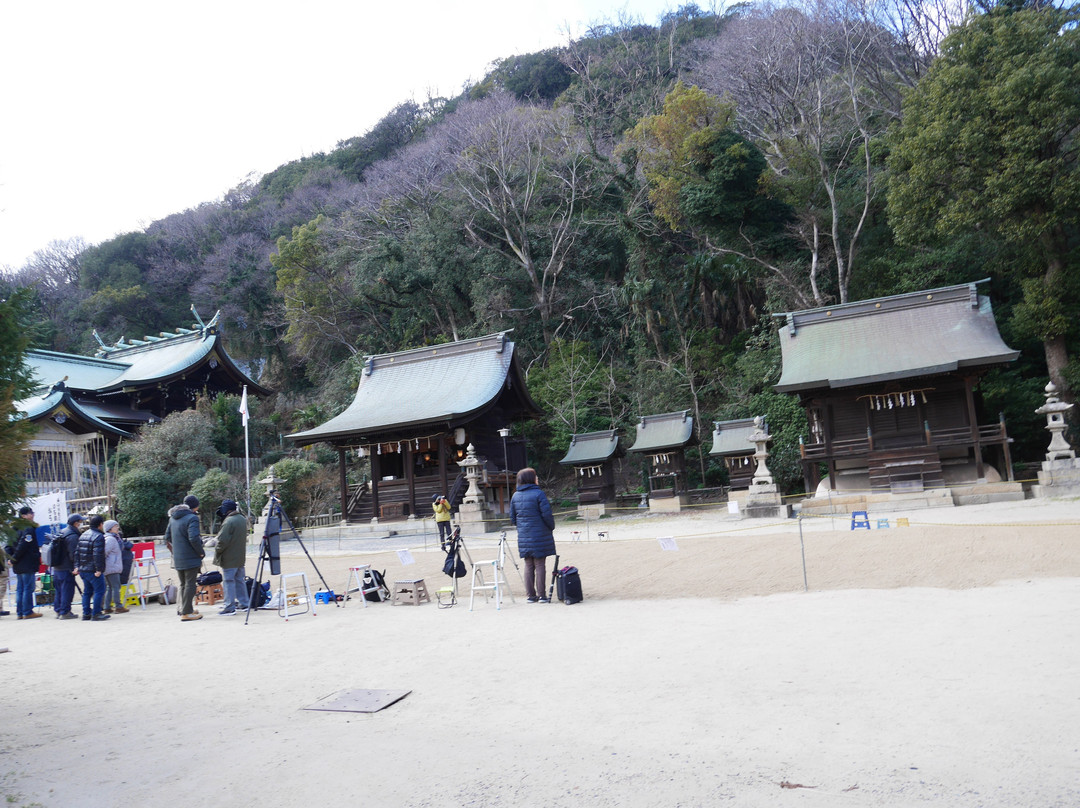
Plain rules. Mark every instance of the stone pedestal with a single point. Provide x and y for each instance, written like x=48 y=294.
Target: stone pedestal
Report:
x=594 y=510
x=763 y=501
x=1058 y=479
x=668 y=504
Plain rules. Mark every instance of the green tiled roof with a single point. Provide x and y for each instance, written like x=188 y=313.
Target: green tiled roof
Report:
x=672 y=430
x=731 y=437
x=59 y=399
x=439 y=386
x=898 y=337
x=591 y=448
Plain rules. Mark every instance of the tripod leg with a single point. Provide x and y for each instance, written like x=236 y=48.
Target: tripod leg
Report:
x=257 y=580
x=285 y=519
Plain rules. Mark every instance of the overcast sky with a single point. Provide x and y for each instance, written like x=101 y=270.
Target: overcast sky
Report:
x=118 y=113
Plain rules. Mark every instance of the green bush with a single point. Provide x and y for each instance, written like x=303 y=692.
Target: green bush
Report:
x=143 y=499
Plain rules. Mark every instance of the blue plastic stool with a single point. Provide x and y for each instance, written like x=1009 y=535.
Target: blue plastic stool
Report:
x=882 y=523
x=856 y=521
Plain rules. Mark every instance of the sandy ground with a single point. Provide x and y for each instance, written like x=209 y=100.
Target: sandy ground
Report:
x=930 y=665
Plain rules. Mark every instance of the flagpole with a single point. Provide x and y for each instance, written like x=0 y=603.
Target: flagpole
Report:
x=247 y=452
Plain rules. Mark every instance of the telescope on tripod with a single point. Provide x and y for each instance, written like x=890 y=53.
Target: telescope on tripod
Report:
x=270 y=552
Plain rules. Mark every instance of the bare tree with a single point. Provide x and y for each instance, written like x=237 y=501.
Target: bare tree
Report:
x=526 y=174
x=814 y=85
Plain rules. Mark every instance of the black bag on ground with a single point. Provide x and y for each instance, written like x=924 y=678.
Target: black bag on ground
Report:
x=261 y=595
x=208 y=578
x=568 y=585
x=374 y=578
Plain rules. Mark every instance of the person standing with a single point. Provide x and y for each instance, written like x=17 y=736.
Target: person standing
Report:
x=90 y=563
x=441 y=506
x=63 y=566
x=530 y=512
x=26 y=561
x=5 y=569
x=184 y=542
x=114 y=565
x=229 y=554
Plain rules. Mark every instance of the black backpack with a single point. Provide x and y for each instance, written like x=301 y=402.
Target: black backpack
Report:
x=374 y=578
x=258 y=594
x=58 y=550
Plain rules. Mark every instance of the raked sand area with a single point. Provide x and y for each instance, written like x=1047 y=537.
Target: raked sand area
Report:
x=937 y=664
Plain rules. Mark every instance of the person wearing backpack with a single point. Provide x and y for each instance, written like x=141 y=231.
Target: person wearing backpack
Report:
x=26 y=560
x=91 y=566
x=64 y=550
x=230 y=554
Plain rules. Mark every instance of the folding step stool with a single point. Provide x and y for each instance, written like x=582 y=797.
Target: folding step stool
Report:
x=497 y=586
x=146 y=570
x=860 y=519
x=283 y=607
x=357 y=574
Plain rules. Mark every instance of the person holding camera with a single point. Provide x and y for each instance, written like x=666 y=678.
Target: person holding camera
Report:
x=229 y=554
x=441 y=506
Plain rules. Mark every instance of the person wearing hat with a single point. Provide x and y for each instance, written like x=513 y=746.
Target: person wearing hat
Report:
x=114 y=565
x=230 y=554
x=184 y=542
x=26 y=560
x=441 y=506
x=63 y=566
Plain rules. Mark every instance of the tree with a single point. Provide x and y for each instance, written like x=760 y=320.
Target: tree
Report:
x=989 y=142
x=16 y=382
x=143 y=499
x=527 y=176
x=182 y=446
x=815 y=85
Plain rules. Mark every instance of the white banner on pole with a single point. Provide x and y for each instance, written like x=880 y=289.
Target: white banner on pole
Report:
x=49 y=509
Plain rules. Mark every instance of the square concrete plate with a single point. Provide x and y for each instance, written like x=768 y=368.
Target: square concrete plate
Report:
x=359 y=701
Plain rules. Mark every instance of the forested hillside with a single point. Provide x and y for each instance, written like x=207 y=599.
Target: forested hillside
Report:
x=636 y=206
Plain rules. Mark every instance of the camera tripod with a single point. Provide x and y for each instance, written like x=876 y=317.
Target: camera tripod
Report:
x=270 y=550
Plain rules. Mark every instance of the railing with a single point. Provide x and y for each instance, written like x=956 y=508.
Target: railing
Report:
x=960 y=436
x=319 y=520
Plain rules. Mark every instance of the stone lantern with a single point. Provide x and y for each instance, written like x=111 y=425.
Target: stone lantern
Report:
x=271 y=481
x=763 y=499
x=1060 y=474
x=474 y=516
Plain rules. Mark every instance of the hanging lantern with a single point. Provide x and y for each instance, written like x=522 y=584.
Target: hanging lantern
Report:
x=379 y=451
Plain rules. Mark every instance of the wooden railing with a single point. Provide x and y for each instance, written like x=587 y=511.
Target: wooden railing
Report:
x=960 y=436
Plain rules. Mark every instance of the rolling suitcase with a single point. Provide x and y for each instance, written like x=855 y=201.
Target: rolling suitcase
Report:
x=568 y=585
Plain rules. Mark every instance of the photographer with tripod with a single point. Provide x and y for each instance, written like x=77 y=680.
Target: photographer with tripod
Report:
x=441 y=506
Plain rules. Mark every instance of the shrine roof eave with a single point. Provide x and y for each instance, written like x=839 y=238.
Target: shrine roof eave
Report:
x=590 y=448
x=731 y=438
x=672 y=430
x=933 y=370
x=39 y=408
x=433 y=388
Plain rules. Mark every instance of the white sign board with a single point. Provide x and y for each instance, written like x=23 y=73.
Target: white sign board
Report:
x=49 y=509
x=668 y=543
x=405 y=557
x=733 y=507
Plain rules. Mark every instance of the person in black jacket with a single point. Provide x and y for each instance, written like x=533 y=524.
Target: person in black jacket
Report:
x=91 y=568
x=26 y=561
x=530 y=511
x=64 y=569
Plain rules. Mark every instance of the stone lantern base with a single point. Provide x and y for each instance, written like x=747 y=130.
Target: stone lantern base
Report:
x=476 y=517
x=1059 y=479
x=763 y=501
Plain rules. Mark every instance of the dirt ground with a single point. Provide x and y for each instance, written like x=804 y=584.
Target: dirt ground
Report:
x=934 y=664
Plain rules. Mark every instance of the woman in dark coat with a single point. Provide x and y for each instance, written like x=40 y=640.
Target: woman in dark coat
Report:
x=530 y=511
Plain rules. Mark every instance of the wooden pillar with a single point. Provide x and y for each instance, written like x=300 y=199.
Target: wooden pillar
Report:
x=376 y=475
x=343 y=483
x=1005 y=448
x=410 y=477
x=445 y=490
x=969 y=395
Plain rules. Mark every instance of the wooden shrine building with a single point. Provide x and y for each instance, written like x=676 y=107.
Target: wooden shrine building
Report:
x=84 y=405
x=592 y=455
x=731 y=443
x=890 y=391
x=663 y=440
x=414 y=416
